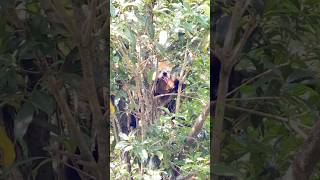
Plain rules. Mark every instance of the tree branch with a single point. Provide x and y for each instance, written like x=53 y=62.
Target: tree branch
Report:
x=90 y=21
x=233 y=27
x=65 y=18
x=256 y=77
x=307 y=158
x=98 y=122
x=271 y=116
x=251 y=26
x=230 y=55
x=72 y=126
x=198 y=124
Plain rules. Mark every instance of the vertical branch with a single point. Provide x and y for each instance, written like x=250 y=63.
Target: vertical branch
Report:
x=182 y=77
x=90 y=21
x=229 y=56
x=219 y=113
x=98 y=121
x=83 y=38
x=116 y=128
x=72 y=126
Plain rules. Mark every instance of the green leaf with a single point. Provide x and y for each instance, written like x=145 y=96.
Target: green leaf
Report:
x=258 y=6
x=123 y=137
x=112 y=10
x=42 y=101
x=8 y=79
x=72 y=79
x=33 y=7
x=143 y=155
x=128 y=148
x=296 y=89
x=159 y=154
x=248 y=91
x=121 y=145
x=291 y=6
x=298 y=74
x=35 y=171
x=23 y=119
x=225 y=170
x=222 y=28
x=151 y=29
x=64 y=48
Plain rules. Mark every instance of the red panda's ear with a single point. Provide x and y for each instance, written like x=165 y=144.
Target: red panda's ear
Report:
x=164 y=65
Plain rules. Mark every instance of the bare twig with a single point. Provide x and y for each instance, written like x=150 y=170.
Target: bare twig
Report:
x=256 y=77
x=182 y=77
x=254 y=98
x=271 y=116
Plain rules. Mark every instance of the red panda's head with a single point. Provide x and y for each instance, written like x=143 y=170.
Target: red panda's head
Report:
x=164 y=80
x=166 y=83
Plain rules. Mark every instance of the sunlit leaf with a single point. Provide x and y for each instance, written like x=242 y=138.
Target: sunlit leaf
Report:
x=143 y=155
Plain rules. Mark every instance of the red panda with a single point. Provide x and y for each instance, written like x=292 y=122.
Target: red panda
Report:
x=165 y=83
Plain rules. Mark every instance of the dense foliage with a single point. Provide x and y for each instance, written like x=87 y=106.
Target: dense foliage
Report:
x=52 y=84
x=54 y=88
x=144 y=32
x=274 y=109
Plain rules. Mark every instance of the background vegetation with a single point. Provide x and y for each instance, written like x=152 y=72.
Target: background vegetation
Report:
x=53 y=91
x=143 y=32
x=52 y=84
x=271 y=121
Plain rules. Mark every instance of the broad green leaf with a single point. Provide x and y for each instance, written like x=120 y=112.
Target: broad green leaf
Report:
x=163 y=36
x=128 y=148
x=64 y=48
x=225 y=170
x=123 y=136
x=159 y=154
x=42 y=101
x=23 y=119
x=222 y=28
x=72 y=79
x=143 y=155
x=121 y=145
x=33 y=7
x=248 y=91
x=298 y=74
x=112 y=10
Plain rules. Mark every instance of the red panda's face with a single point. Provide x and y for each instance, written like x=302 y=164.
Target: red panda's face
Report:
x=164 y=80
x=164 y=75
